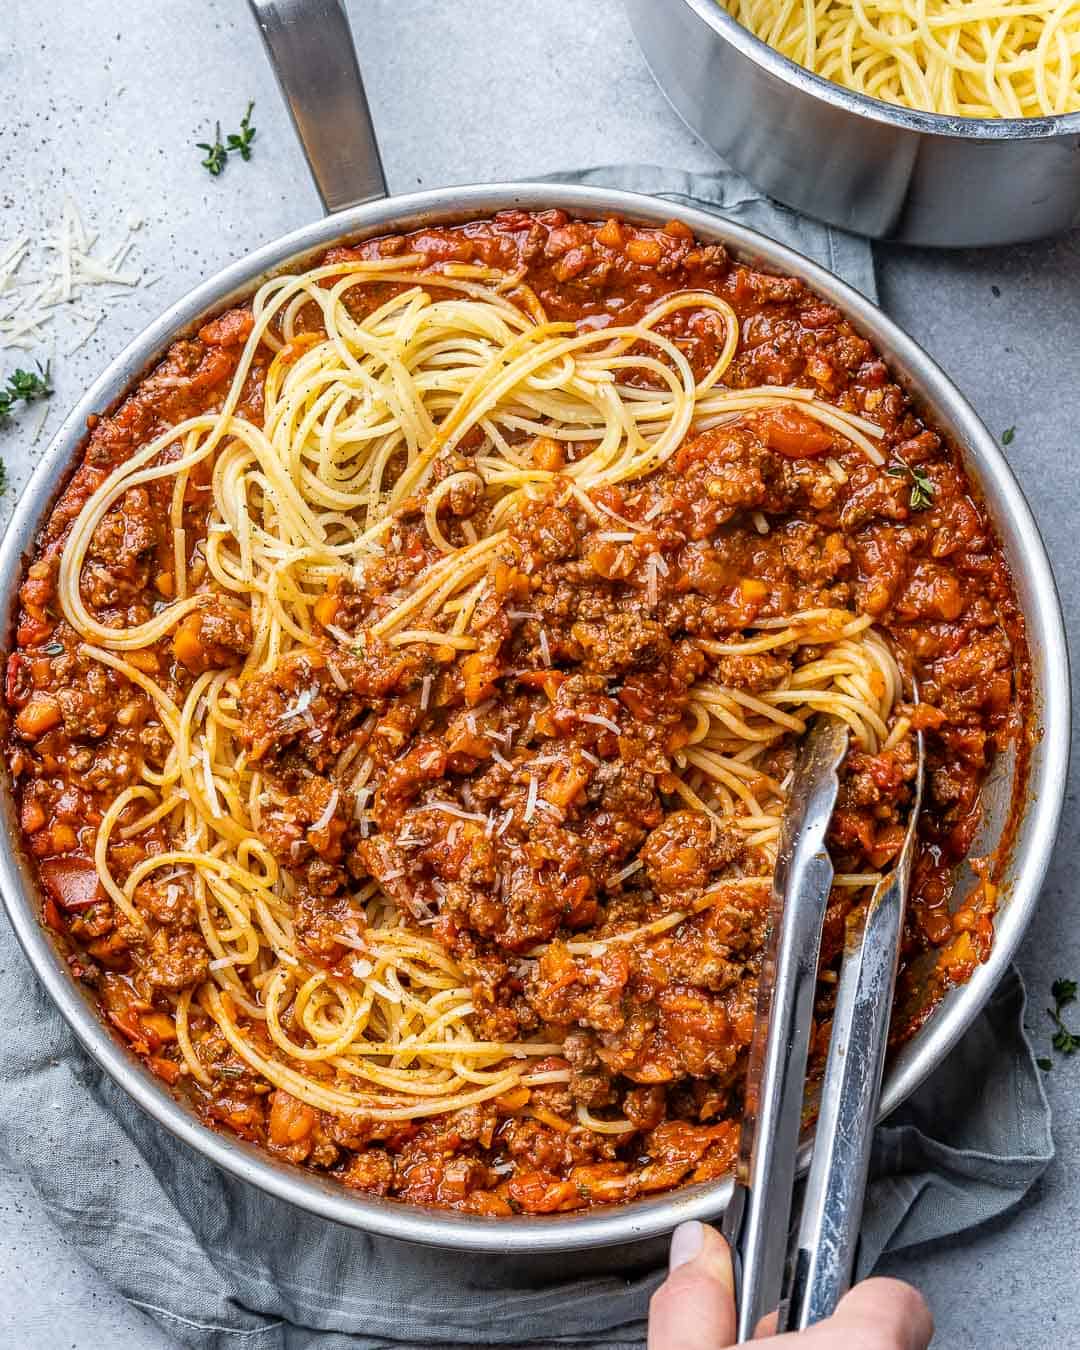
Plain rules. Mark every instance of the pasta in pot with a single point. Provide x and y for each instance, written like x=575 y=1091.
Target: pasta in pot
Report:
x=961 y=58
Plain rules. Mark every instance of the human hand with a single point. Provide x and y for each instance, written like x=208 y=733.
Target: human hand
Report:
x=694 y=1309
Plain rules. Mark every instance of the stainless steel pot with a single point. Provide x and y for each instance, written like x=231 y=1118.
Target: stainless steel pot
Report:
x=854 y=161
x=1044 y=784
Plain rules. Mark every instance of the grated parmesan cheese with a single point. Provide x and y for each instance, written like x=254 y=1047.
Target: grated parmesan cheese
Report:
x=652 y=593
x=615 y=515
x=45 y=280
x=336 y=675
x=627 y=871
x=599 y=721
x=210 y=785
x=451 y=810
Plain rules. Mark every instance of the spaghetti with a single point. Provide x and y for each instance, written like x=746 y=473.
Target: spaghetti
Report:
x=409 y=681
x=355 y=423
x=962 y=58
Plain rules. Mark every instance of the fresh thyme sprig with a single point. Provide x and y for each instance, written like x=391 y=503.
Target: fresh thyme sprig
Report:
x=922 y=485
x=216 y=154
x=25 y=385
x=237 y=142
x=241 y=141
x=1064 y=1041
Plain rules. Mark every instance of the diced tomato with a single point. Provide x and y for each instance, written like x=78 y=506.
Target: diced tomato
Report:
x=794 y=435
x=17 y=683
x=165 y=1069
x=72 y=882
x=229 y=329
x=52 y=915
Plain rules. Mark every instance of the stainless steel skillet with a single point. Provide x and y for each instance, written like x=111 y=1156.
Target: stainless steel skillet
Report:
x=1038 y=793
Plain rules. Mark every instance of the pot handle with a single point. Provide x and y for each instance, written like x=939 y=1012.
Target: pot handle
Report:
x=311 y=49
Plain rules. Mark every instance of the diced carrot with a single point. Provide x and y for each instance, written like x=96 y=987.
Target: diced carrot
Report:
x=476 y=747
x=751 y=588
x=479 y=670
x=290 y=1120
x=509 y=582
x=31 y=815
x=145 y=660
x=64 y=838
x=297 y=346
x=159 y=1025
x=40 y=715
x=565 y=784
x=547 y=680
x=187 y=643
x=679 y=229
x=546 y=1117
x=326 y=608
x=548 y=454
x=645 y=251
x=513 y=1099
x=611 y=234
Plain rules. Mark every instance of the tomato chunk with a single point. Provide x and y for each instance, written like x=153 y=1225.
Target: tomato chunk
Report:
x=794 y=435
x=72 y=882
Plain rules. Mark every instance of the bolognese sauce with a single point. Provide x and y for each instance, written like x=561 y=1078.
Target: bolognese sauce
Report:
x=537 y=818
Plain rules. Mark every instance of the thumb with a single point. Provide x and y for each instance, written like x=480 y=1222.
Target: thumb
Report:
x=694 y=1309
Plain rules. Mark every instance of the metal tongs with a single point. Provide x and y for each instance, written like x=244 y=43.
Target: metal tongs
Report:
x=806 y=1283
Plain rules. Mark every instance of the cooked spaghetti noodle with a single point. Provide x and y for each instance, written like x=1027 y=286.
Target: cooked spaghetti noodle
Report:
x=963 y=58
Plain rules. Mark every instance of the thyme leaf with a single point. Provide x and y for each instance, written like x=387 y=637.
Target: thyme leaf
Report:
x=922 y=485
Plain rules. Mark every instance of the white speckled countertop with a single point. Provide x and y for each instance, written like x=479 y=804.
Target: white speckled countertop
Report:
x=468 y=90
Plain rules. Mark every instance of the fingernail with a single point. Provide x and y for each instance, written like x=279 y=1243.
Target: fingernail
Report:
x=686 y=1243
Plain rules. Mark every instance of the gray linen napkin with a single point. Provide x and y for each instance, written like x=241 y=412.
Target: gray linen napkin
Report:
x=221 y=1266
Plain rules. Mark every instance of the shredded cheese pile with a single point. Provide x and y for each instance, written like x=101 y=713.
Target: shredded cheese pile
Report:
x=59 y=268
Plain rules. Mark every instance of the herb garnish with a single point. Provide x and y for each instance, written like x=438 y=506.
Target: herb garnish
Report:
x=25 y=385
x=216 y=154
x=922 y=485
x=241 y=141
x=1008 y=436
x=237 y=142
x=1064 y=1041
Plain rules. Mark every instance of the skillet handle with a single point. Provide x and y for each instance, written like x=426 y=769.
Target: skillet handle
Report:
x=311 y=49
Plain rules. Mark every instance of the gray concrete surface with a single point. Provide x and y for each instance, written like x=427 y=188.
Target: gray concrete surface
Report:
x=106 y=100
